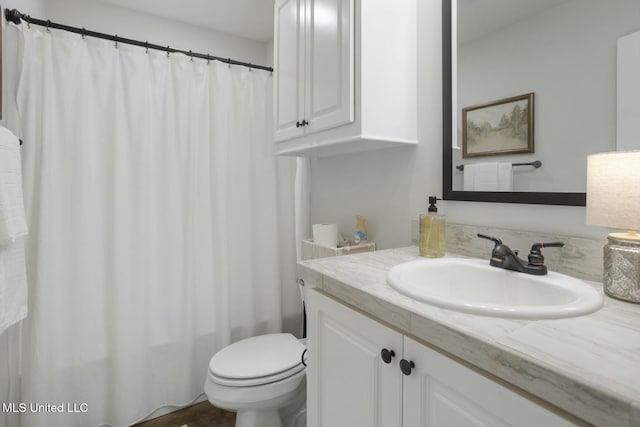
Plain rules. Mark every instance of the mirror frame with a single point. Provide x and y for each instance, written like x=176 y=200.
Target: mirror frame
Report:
x=537 y=198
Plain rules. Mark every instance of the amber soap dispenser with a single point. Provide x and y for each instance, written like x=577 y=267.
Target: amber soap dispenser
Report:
x=432 y=228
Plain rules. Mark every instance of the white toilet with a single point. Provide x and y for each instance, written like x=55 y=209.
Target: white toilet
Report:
x=262 y=379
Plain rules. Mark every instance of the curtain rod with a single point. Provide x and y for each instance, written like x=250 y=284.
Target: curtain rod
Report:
x=15 y=16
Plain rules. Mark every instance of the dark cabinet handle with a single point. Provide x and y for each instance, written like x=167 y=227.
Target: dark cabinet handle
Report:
x=387 y=355
x=298 y=124
x=302 y=123
x=406 y=366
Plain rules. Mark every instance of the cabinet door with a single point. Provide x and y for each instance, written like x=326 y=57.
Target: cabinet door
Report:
x=288 y=59
x=329 y=64
x=348 y=382
x=442 y=393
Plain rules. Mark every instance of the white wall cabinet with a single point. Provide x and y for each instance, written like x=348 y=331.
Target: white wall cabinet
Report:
x=314 y=62
x=345 y=75
x=349 y=383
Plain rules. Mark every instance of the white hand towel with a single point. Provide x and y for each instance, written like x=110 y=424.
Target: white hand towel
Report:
x=13 y=284
x=12 y=218
x=488 y=177
x=470 y=177
x=13 y=225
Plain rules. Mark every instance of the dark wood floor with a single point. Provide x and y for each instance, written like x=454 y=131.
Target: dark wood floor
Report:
x=199 y=415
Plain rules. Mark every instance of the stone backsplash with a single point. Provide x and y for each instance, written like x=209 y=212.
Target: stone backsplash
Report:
x=580 y=257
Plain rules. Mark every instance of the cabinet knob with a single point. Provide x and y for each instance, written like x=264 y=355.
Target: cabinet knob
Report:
x=387 y=355
x=406 y=366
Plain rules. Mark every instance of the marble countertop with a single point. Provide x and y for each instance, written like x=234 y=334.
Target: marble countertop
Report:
x=588 y=366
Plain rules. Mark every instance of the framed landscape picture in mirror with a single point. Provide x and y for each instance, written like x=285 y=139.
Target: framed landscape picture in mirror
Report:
x=499 y=127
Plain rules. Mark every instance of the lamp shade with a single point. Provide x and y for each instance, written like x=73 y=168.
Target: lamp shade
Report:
x=613 y=190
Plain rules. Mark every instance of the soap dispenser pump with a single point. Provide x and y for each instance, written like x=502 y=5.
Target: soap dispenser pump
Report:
x=432 y=231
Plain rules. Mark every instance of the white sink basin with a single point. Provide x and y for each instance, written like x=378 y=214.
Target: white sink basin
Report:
x=473 y=286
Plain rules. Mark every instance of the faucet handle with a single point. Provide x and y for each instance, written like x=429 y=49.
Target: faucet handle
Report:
x=493 y=239
x=535 y=255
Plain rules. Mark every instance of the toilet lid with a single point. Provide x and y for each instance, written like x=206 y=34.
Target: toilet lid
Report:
x=256 y=357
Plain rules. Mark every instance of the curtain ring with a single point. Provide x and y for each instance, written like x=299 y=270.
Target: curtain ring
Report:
x=28 y=19
x=48 y=25
x=84 y=33
x=250 y=67
x=208 y=59
x=116 y=43
x=191 y=56
x=168 y=52
x=146 y=46
x=229 y=62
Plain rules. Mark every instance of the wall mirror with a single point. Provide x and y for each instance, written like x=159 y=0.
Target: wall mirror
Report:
x=557 y=57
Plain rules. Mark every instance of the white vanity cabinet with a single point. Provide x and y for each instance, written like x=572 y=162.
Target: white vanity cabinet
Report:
x=349 y=383
x=345 y=75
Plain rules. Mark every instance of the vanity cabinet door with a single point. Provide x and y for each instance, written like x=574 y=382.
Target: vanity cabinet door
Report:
x=442 y=393
x=349 y=383
x=344 y=76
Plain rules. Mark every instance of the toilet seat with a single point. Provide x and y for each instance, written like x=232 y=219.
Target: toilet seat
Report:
x=257 y=361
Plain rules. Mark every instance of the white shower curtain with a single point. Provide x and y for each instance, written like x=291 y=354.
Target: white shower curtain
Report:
x=159 y=218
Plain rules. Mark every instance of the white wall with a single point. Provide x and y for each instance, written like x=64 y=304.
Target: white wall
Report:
x=628 y=132
x=269 y=54
x=30 y=7
x=390 y=187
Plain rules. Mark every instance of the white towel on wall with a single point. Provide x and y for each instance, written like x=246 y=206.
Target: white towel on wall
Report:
x=13 y=284
x=13 y=226
x=12 y=218
x=488 y=177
